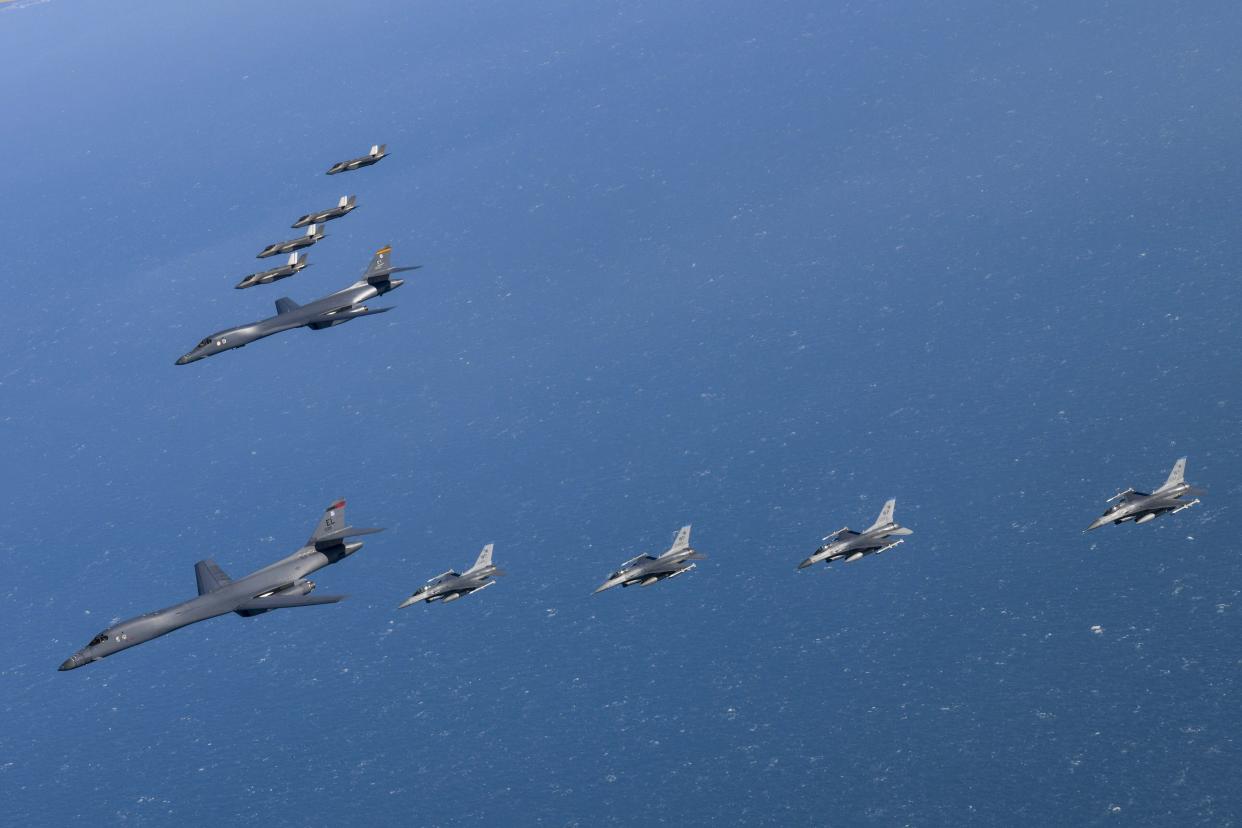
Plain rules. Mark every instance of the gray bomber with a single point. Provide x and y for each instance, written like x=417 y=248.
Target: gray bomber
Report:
x=848 y=545
x=279 y=586
x=1141 y=507
x=336 y=309
x=297 y=263
x=449 y=586
x=314 y=233
x=378 y=151
x=646 y=570
x=344 y=207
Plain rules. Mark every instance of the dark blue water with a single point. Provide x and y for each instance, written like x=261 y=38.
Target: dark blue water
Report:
x=755 y=267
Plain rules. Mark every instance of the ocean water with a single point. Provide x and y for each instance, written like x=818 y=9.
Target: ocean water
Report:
x=755 y=267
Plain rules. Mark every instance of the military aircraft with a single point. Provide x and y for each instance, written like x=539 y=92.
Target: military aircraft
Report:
x=451 y=585
x=345 y=206
x=297 y=263
x=278 y=586
x=377 y=152
x=848 y=545
x=1141 y=507
x=336 y=309
x=314 y=233
x=646 y=570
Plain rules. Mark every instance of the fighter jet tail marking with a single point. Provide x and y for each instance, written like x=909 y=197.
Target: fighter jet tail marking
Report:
x=484 y=559
x=1176 y=477
x=886 y=515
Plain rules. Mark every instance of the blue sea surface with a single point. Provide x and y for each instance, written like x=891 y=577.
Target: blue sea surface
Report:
x=752 y=266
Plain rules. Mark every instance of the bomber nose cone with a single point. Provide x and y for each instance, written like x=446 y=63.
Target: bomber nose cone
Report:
x=185 y=360
x=69 y=664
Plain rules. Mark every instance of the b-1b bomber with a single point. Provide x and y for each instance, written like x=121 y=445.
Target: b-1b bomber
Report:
x=1140 y=507
x=847 y=545
x=645 y=570
x=449 y=586
x=297 y=263
x=378 y=152
x=278 y=586
x=336 y=309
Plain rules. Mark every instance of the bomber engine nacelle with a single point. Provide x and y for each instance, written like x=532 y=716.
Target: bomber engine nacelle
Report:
x=299 y=587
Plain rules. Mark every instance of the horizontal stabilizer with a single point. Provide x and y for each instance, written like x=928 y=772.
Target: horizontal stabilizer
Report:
x=333 y=538
x=272 y=602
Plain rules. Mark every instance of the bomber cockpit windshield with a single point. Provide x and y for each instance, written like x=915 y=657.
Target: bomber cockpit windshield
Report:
x=204 y=343
x=99 y=639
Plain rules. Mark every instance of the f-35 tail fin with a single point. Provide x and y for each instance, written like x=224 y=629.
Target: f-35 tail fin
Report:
x=378 y=149
x=886 y=514
x=1176 y=477
x=484 y=560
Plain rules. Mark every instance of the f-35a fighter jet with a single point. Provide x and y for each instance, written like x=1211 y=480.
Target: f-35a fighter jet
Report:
x=336 y=309
x=848 y=545
x=314 y=233
x=646 y=570
x=450 y=585
x=297 y=263
x=278 y=586
x=345 y=206
x=1141 y=508
x=377 y=152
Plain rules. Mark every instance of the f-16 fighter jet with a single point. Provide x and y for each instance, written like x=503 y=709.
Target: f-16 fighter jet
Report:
x=346 y=205
x=646 y=570
x=450 y=585
x=377 y=152
x=1141 y=508
x=313 y=234
x=297 y=263
x=336 y=309
x=278 y=586
x=848 y=545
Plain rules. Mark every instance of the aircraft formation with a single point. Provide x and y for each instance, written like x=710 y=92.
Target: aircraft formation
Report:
x=284 y=584
x=329 y=311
